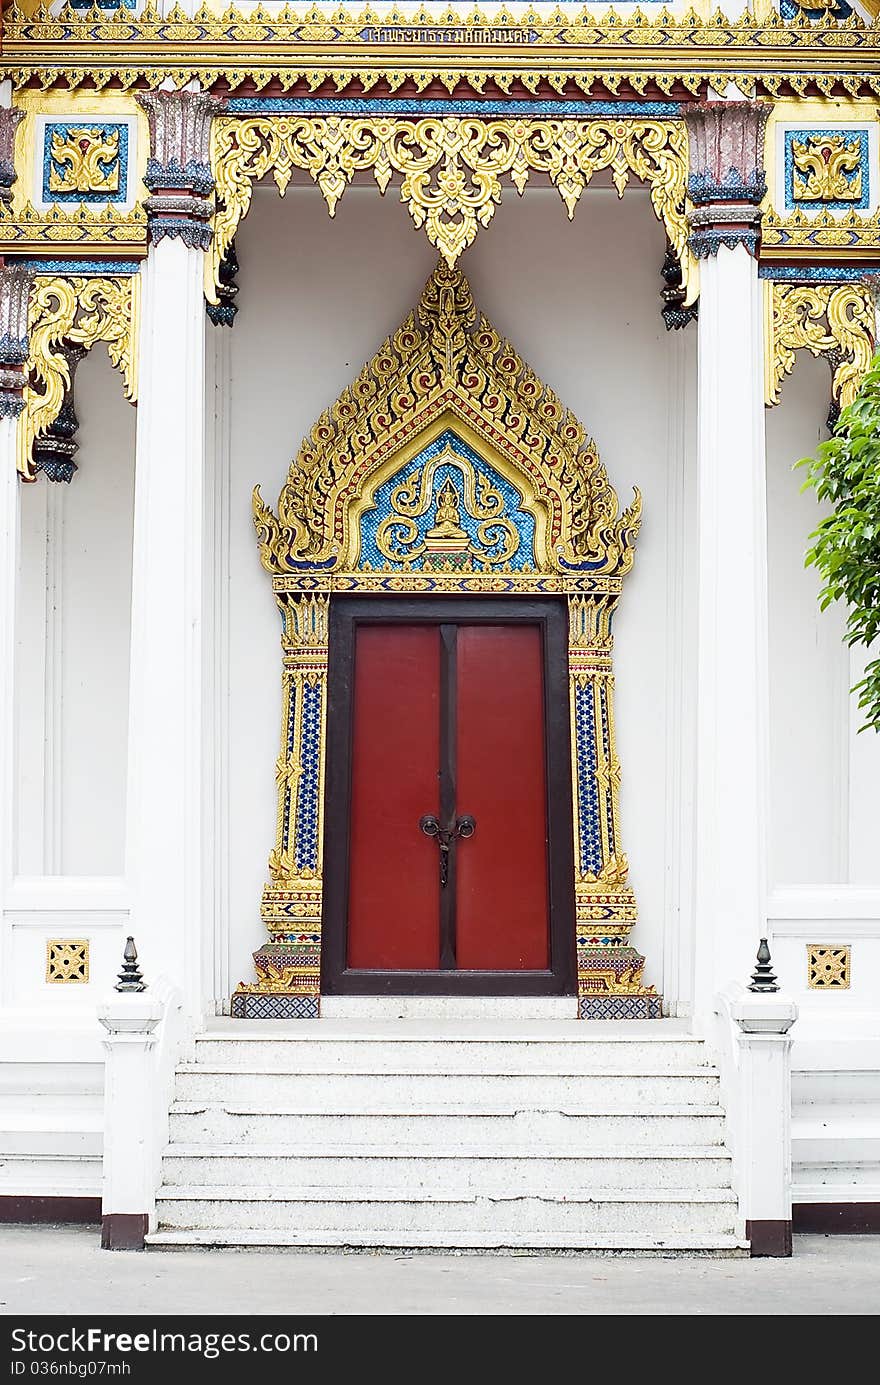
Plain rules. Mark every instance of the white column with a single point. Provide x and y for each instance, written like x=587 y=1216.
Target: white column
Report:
x=732 y=658
x=165 y=805
x=732 y=624
x=164 y=802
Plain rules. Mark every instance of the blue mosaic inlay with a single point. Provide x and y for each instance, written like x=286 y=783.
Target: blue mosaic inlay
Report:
x=483 y=538
x=289 y=735
x=56 y=167
x=321 y=105
x=790 y=9
x=815 y=274
x=860 y=174
x=87 y=267
x=587 y=787
x=306 y=853
x=606 y=747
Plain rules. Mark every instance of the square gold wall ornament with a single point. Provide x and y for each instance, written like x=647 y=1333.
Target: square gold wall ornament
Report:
x=67 y=960
x=828 y=968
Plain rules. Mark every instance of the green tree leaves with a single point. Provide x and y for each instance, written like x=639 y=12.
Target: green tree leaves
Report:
x=845 y=546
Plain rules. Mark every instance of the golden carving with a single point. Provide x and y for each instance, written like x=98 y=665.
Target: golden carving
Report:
x=397 y=536
x=447 y=366
x=295 y=863
x=828 y=968
x=818 y=236
x=573 y=48
x=450 y=167
x=77 y=309
x=386 y=454
x=821 y=165
x=85 y=159
x=67 y=961
x=65 y=227
x=831 y=319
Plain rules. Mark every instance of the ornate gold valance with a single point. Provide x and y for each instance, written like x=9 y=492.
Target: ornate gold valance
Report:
x=450 y=166
x=568 y=47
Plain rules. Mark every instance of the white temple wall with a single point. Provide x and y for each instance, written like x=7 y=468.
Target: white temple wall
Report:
x=581 y=302
x=73 y=635
x=825 y=807
x=808 y=660
x=69 y=848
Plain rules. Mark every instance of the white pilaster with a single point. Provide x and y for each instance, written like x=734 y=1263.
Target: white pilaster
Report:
x=732 y=677
x=15 y=284
x=164 y=804
x=216 y=974
x=10 y=512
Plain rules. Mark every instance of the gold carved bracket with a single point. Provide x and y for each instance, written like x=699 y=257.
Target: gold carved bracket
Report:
x=450 y=167
x=833 y=319
x=83 y=310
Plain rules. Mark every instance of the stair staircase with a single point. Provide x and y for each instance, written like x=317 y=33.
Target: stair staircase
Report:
x=467 y=1134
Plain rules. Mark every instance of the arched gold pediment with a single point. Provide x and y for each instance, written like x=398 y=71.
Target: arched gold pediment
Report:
x=447 y=455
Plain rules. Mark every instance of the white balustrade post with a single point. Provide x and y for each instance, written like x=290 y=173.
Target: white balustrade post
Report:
x=15 y=284
x=726 y=186
x=130 y=1016
x=764 y=1015
x=165 y=730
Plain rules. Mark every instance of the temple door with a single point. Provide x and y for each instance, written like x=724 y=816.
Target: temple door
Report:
x=441 y=854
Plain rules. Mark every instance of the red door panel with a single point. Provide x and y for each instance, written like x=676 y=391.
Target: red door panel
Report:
x=503 y=921
x=394 y=889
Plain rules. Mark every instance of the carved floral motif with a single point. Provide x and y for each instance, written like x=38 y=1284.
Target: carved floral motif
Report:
x=450 y=166
x=446 y=361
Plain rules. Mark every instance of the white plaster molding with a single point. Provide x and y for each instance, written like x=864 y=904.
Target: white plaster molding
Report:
x=678 y=913
x=53 y=683
x=217 y=665
x=10 y=522
x=823 y=903
x=49 y=893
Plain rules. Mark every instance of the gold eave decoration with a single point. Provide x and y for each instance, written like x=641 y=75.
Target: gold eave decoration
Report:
x=822 y=235
x=80 y=228
x=446 y=367
x=450 y=167
x=830 y=319
x=565 y=48
x=84 y=310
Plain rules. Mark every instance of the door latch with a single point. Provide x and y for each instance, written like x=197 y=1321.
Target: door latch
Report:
x=464 y=826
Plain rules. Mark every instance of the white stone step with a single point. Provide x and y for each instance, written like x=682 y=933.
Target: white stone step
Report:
x=480 y=1050
x=597 y=1243
x=50 y=1175
x=362 y=1089
x=396 y=1213
x=572 y=1128
x=449 y=1132
x=42 y=1132
x=531 y=1171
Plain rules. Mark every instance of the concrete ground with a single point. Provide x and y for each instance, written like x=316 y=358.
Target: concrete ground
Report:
x=63 y=1270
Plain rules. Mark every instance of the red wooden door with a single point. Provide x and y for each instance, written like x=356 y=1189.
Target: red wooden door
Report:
x=448 y=721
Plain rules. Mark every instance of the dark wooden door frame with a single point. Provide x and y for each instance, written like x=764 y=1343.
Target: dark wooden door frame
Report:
x=346 y=613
